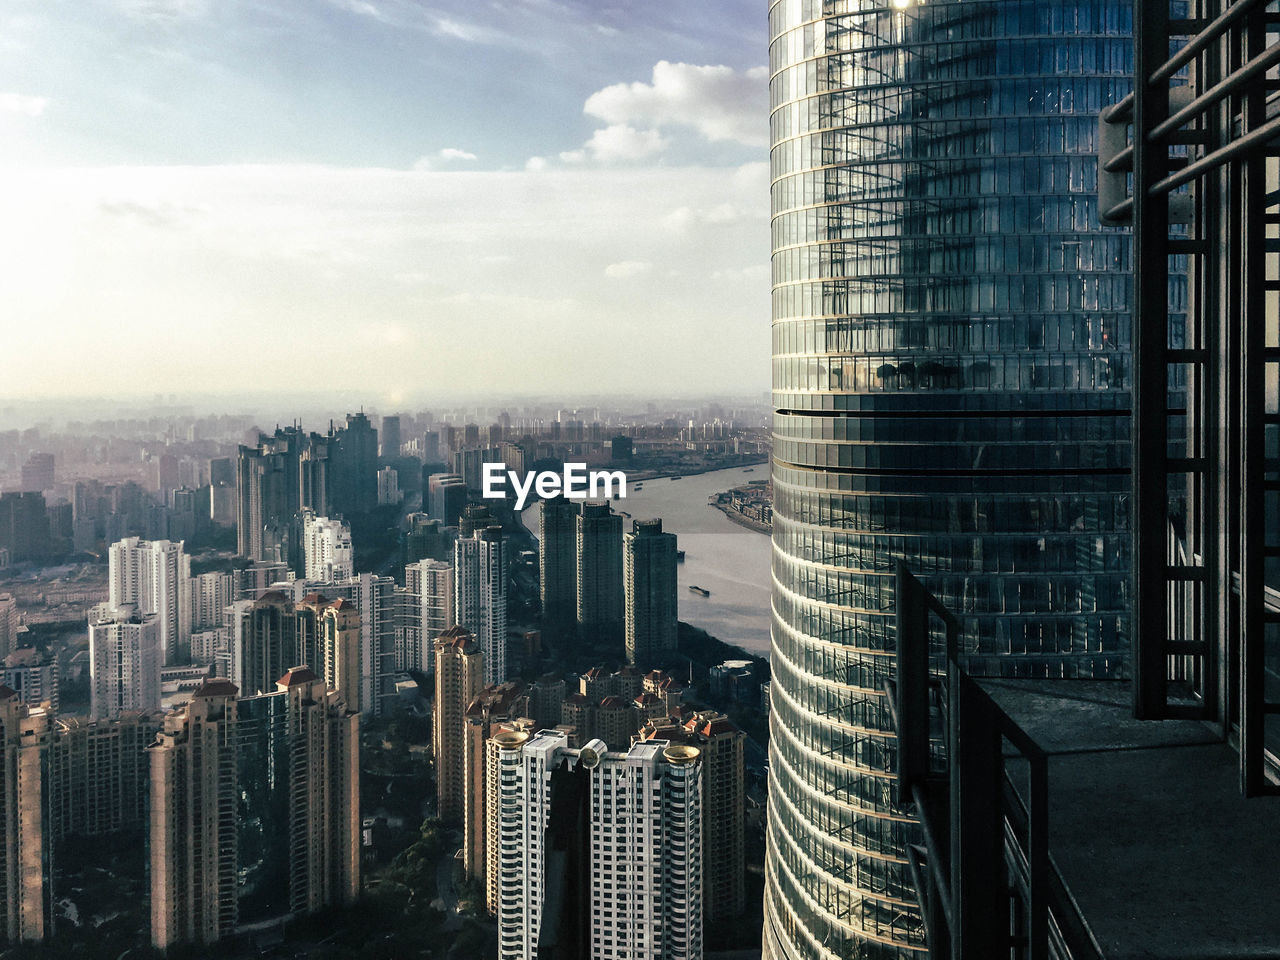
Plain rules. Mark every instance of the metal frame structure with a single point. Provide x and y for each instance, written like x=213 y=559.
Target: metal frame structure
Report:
x=986 y=883
x=1205 y=135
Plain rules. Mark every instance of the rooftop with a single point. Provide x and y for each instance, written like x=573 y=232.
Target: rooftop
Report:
x=1148 y=826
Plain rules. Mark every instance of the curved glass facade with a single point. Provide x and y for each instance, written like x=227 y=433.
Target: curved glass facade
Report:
x=950 y=377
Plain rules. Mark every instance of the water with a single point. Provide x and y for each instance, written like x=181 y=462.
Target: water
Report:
x=731 y=561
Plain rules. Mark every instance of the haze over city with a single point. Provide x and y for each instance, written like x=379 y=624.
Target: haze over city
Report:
x=391 y=189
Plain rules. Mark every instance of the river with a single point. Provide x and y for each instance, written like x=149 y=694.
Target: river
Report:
x=729 y=560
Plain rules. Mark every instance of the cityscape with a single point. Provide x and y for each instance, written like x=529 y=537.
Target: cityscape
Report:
x=406 y=551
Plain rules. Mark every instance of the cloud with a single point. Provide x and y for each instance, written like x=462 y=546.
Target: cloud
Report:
x=443 y=156
x=402 y=268
x=164 y=10
x=719 y=102
x=22 y=105
x=618 y=143
x=534 y=164
x=627 y=269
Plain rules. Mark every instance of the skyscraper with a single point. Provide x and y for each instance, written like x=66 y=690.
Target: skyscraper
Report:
x=558 y=559
x=8 y=624
x=459 y=680
x=426 y=610
x=446 y=495
x=124 y=662
x=950 y=377
x=600 y=853
x=24 y=860
x=154 y=575
x=254 y=809
x=480 y=596
x=354 y=466
x=390 y=446
x=649 y=589
x=598 y=533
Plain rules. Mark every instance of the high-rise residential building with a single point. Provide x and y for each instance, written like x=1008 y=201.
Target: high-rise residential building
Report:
x=649 y=591
x=270 y=635
x=426 y=538
x=599 y=852
x=24 y=852
x=389 y=449
x=558 y=559
x=327 y=551
x=269 y=496
x=598 y=535
x=8 y=624
x=459 y=680
x=475 y=516
x=207 y=597
x=232 y=840
x=426 y=610
x=480 y=596
x=504 y=705
x=154 y=576
x=256 y=579
x=446 y=497
x=951 y=389
x=24 y=526
x=33 y=676
x=124 y=661
x=723 y=806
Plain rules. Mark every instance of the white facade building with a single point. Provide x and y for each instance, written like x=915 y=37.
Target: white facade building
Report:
x=641 y=856
x=124 y=662
x=153 y=575
x=480 y=596
x=388 y=487
x=327 y=552
x=426 y=611
x=8 y=625
x=207 y=598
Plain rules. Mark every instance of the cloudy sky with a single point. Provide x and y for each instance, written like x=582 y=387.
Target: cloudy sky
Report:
x=408 y=197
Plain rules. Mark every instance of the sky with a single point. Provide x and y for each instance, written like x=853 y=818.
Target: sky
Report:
x=407 y=198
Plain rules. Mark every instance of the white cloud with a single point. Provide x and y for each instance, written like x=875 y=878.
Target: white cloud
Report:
x=444 y=156
x=534 y=164
x=22 y=105
x=719 y=102
x=621 y=143
x=164 y=10
x=626 y=269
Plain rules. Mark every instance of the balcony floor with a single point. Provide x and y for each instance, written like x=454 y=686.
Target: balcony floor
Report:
x=1148 y=828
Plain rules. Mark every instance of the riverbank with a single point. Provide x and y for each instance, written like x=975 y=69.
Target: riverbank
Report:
x=741 y=519
x=645 y=476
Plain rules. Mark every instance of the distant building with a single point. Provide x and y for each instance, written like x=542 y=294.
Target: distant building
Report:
x=427 y=611
x=8 y=624
x=600 y=852
x=231 y=841
x=256 y=579
x=24 y=852
x=459 y=680
x=154 y=576
x=480 y=596
x=446 y=497
x=733 y=680
x=37 y=475
x=207 y=598
x=389 y=449
x=124 y=662
x=24 y=527
x=388 y=487
x=599 y=570
x=558 y=559
x=649 y=584
x=32 y=675
x=426 y=539
x=327 y=551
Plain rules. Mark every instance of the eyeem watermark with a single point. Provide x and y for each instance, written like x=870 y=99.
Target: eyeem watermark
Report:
x=576 y=483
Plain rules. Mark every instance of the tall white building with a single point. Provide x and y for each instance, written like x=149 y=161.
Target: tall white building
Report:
x=153 y=575
x=207 y=598
x=326 y=545
x=599 y=853
x=388 y=486
x=426 y=611
x=480 y=596
x=124 y=662
x=8 y=625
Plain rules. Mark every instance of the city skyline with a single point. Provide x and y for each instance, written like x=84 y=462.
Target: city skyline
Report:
x=190 y=180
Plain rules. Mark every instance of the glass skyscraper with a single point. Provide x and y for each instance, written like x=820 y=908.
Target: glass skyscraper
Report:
x=950 y=376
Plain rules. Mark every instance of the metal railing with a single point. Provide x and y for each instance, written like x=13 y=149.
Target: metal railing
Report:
x=986 y=883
